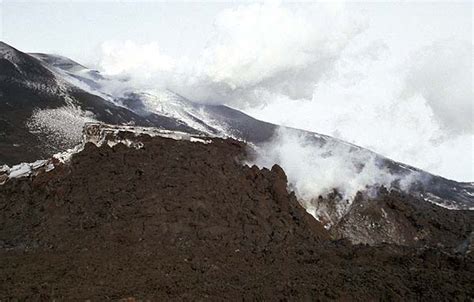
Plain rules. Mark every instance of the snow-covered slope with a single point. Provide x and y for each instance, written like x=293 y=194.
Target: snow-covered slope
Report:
x=44 y=107
x=208 y=119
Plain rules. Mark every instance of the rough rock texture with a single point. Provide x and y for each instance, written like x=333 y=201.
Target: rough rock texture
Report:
x=399 y=218
x=183 y=220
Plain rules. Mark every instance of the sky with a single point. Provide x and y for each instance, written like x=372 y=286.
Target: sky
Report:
x=394 y=77
x=76 y=28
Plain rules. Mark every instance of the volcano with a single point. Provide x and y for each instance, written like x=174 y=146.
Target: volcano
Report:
x=45 y=100
x=150 y=195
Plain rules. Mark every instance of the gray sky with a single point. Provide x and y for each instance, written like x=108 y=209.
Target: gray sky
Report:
x=77 y=28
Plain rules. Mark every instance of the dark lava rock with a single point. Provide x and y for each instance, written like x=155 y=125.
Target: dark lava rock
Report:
x=182 y=220
x=400 y=218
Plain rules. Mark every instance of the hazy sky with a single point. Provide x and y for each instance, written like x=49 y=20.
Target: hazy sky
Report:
x=395 y=77
x=77 y=28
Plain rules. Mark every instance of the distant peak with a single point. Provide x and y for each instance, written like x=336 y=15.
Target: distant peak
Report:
x=59 y=61
x=8 y=52
x=4 y=46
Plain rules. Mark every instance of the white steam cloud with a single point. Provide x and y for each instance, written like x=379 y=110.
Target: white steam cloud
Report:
x=254 y=48
x=317 y=67
x=316 y=169
x=128 y=57
x=418 y=111
x=442 y=74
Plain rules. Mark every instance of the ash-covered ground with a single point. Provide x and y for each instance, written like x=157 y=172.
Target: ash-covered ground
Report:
x=183 y=220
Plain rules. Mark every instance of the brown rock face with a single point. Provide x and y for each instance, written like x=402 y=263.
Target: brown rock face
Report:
x=183 y=220
x=395 y=217
x=173 y=195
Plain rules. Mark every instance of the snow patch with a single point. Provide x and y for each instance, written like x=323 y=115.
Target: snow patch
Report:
x=65 y=156
x=445 y=203
x=198 y=140
x=63 y=125
x=98 y=134
x=127 y=142
x=24 y=169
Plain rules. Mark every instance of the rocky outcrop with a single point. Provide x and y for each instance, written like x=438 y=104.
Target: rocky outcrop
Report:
x=402 y=219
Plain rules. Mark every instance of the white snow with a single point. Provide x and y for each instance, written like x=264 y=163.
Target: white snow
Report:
x=65 y=156
x=127 y=142
x=66 y=77
x=20 y=170
x=168 y=103
x=198 y=140
x=4 y=169
x=25 y=169
x=63 y=125
x=468 y=193
x=444 y=203
x=107 y=131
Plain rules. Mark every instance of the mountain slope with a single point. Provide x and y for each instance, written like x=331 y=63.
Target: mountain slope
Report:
x=46 y=99
x=35 y=98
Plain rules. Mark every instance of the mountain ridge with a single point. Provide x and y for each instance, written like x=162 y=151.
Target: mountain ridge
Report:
x=32 y=119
